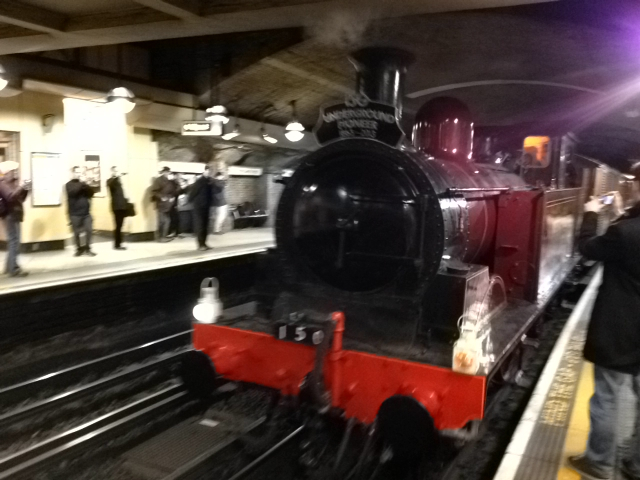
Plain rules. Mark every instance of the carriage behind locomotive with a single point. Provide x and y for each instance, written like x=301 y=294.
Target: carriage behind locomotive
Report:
x=408 y=274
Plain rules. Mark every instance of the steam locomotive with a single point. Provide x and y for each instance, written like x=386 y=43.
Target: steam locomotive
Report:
x=408 y=273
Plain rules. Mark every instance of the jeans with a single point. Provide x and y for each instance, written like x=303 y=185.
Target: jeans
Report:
x=118 y=217
x=603 y=408
x=164 y=222
x=221 y=214
x=80 y=224
x=12 y=227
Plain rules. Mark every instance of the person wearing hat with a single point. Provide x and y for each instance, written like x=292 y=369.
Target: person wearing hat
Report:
x=201 y=197
x=613 y=336
x=12 y=195
x=119 y=205
x=163 y=194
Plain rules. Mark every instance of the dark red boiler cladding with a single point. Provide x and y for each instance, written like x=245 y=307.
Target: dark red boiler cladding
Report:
x=443 y=128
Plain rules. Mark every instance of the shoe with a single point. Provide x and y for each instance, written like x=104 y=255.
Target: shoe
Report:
x=589 y=469
x=119 y=248
x=218 y=233
x=203 y=248
x=90 y=253
x=78 y=253
x=628 y=470
x=19 y=273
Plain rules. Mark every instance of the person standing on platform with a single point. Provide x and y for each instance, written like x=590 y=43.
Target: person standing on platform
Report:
x=613 y=337
x=118 y=206
x=201 y=197
x=79 y=196
x=219 y=202
x=163 y=193
x=12 y=195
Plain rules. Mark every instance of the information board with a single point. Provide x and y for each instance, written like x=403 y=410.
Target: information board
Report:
x=48 y=176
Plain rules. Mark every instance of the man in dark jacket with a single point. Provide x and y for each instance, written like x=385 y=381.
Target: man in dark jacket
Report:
x=613 y=337
x=12 y=195
x=219 y=202
x=118 y=206
x=163 y=193
x=201 y=197
x=79 y=196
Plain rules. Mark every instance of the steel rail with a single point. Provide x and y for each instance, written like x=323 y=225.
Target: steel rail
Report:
x=56 y=401
x=23 y=390
x=197 y=467
x=254 y=464
x=68 y=443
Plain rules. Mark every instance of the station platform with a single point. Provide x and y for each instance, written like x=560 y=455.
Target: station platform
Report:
x=60 y=267
x=555 y=423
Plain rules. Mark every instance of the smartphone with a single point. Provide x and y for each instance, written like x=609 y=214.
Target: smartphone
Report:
x=607 y=199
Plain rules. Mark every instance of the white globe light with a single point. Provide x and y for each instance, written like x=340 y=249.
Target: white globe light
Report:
x=123 y=98
x=204 y=312
x=217 y=113
x=294 y=136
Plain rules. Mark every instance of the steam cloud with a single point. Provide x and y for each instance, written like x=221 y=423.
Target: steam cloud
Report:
x=343 y=27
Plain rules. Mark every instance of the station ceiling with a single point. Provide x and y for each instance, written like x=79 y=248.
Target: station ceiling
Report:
x=571 y=62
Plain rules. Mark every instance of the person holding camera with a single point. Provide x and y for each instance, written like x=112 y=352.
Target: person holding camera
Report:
x=12 y=195
x=79 y=195
x=613 y=336
x=119 y=205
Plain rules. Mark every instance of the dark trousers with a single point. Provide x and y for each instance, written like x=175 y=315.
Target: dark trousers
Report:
x=118 y=217
x=201 y=225
x=82 y=223
x=12 y=227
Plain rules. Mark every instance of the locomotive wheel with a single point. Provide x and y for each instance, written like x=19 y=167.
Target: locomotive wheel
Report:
x=198 y=374
x=407 y=427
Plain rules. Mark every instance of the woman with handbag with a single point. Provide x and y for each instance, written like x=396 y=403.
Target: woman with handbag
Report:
x=120 y=206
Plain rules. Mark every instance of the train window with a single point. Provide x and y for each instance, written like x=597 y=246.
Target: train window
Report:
x=536 y=152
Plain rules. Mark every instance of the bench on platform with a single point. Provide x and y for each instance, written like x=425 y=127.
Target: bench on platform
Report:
x=246 y=215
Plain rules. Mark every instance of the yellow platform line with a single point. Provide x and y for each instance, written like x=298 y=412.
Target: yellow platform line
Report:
x=576 y=440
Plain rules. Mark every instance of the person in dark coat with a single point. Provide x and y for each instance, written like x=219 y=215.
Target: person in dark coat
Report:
x=201 y=197
x=219 y=202
x=13 y=195
x=163 y=193
x=118 y=206
x=79 y=196
x=613 y=336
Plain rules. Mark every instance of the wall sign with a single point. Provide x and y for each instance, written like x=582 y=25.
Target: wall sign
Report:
x=92 y=172
x=201 y=128
x=244 y=171
x=48 y=175
x=359 y=117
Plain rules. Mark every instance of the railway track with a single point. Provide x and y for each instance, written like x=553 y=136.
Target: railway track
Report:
x=132 y=387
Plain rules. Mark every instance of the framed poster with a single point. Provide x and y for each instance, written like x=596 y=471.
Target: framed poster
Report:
x=48 y=176
x=92 y=164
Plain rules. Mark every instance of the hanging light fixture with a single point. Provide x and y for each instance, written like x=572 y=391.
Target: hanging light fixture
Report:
x=234 y=133
x=294 y=131
x=217 y=113
x=123 y=98
x=3 y=78
x=263 y=130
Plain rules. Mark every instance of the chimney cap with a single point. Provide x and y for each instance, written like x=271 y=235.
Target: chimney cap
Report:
x=373 y=56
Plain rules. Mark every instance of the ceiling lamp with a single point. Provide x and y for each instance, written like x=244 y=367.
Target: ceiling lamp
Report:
x=267 y=137
x=217 y=113
x=234 y=133
x=123 y=98
x=3 y=78
x=294 y=131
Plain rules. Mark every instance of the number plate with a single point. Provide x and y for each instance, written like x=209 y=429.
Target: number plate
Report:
x=292 y=332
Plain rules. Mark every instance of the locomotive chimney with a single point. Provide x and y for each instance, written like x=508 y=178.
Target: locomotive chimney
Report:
x=381 y=72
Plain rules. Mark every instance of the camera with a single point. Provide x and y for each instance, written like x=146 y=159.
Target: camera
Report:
x=607 y=199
